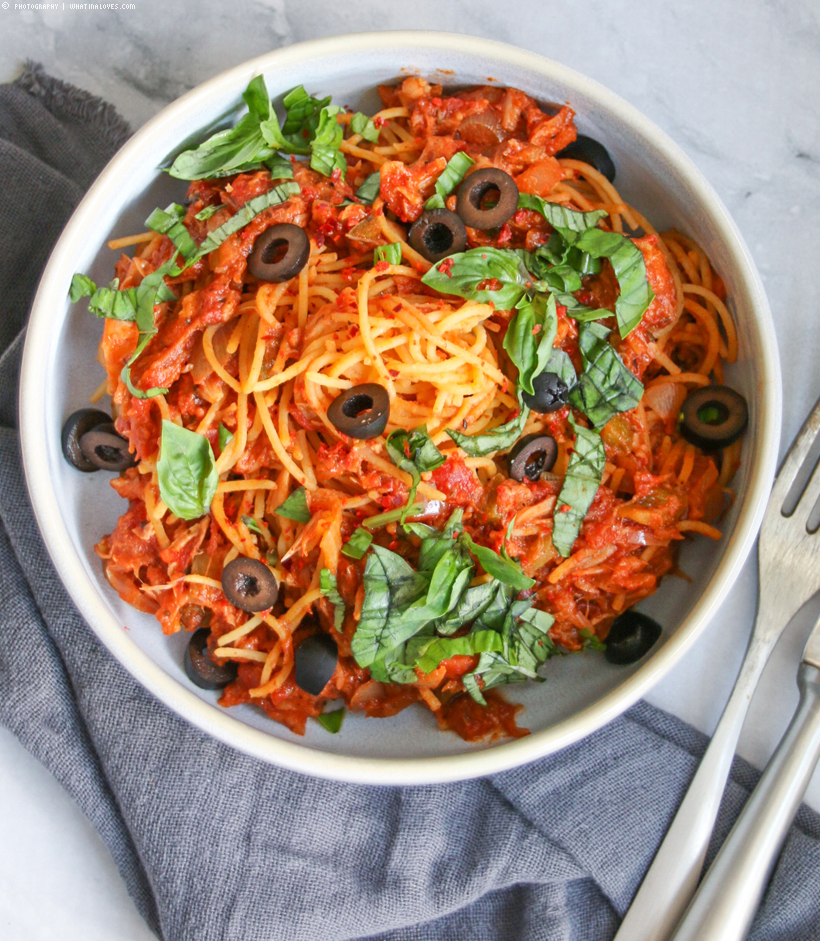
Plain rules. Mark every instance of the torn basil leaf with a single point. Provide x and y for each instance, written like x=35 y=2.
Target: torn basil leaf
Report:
x=628 y=264
x=442 y=648
x=251 y=209
x=295 y=507
x=499 y=439
x=253 y=526
x=413 y=452
x=560 y=364
x=224 y=437
x=530 y=336
x=390 y=253
x=332 y=721
x=169 y=222
x=462 y=273
x=81 y=286
x=325 y=156
x=450 y=177
x=186 y=471
x=393 y=516
x=605 y=387
x=369 y=189
x=363 y=125
x=358 y=544
x=328 y=587
x=501 y=567
x=583 y=477
x=569 y=223
x=204 y=214
x=280 y=168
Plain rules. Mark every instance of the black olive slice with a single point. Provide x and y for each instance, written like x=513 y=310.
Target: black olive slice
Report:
x=630 y=637
x=199 y=667
x=532 y=456
x=314 y=662
x=591 y=152
x=488 y=185
x=550 y=392
x=361 y=412
x=249 y=584
x=105 y=449
x=437 y=234
x=279 y=253
x=76 y=425
x=713 y=417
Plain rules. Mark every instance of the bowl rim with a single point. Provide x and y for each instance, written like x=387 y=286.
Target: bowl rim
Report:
x=302 y=758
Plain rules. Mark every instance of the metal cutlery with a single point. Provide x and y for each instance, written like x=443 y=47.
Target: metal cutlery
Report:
x=789 y=560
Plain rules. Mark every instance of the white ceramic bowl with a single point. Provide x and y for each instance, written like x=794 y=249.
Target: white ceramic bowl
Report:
x=74 y=510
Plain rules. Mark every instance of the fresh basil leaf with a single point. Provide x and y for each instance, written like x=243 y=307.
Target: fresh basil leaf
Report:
x=393 y=516
x=280 y=168
x=328 y=587
x=81 y=286
x=186 y=471
x=224 y=153
x=369 y=189
x=560 y=364
x=390 y=253
x=584 y=474
x=358 y=544
x=363 y=125
x=224 y=437
x=568 y=222
x=499 y=439
x=325 y=156
x=442 y=648
x=204 y=214
x=605 y=387
x=583 y=262
x=257 y=99
x=251 y=209
x=332 y=721
x=125 y=376
x=390 y=586
x=113 y=303
x=501 y=567
x=295 y=507
x=472 y=605
x=253 y=526
x=462 y=273
x=450 y=177
x=301 y=110
x=591 y=639
x=413 y=452
x=628 y=264
x=169 y=222
x=530 y=336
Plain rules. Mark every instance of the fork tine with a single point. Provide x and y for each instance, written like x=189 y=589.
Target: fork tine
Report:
x=796 y=456
x=809 y=497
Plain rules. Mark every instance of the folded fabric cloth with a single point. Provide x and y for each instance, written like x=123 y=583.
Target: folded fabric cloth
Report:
x=214 y=845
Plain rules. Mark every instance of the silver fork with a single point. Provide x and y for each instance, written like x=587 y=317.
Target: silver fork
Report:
x=789 y=561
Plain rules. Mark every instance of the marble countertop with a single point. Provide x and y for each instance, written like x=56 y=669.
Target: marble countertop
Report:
x=734 y=83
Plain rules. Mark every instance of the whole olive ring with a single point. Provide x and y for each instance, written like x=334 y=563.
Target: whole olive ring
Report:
x=105 y=449
x=590 y=151
x=532 y=456
x=712 y=417
x=549 y=393
x=314 y=663
x=361 y=412
x=201 y=669
x=249 y=585
x=437 y=234
x=76 y=425
x=279 y=253
x=630 y=637
x=477 y=189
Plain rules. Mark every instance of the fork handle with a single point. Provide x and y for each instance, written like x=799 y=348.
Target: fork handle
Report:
x=725 y=904
x=672 y=878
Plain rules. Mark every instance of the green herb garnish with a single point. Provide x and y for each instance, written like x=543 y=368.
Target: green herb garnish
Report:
x=295 y=507
x=328 y=587
x=186 y=471
x=583 y=477
x=450 y=177
x=358 y=544
x=390 y=253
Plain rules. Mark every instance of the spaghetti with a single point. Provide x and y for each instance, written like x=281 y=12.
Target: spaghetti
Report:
x=253 y=367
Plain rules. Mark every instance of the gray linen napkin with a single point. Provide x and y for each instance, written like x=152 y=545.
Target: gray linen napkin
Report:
x=214 y=845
